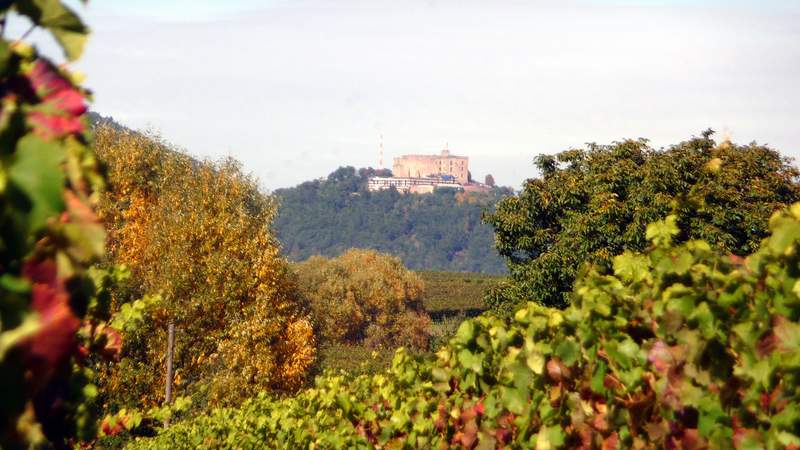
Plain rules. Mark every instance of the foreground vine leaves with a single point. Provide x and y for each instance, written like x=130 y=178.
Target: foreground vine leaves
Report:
x=53 y=308
x=677 y=347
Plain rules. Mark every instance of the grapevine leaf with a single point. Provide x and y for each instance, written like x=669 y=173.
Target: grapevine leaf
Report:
x=514 y=399
x=535 y=361
x=35 y=170
x=66 y=26
x=470 y=361
x=550 y=438
x=630 y=267
x=784 y=235
x=568 y=351
x=788 y=335
x=466 y=332
x=599 y=377
x=662 y=231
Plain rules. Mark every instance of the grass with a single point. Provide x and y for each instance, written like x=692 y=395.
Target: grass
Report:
x=450 y=298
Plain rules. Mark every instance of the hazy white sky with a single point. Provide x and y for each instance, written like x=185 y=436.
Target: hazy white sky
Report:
x=295 y=89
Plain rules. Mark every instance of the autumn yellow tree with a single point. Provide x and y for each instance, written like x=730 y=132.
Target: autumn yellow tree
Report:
x=199 y=233
x=365 y=296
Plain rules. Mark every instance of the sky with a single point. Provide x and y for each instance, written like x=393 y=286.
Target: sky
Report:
x=295 y=89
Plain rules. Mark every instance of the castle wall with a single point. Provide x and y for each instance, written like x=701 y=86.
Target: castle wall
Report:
x=427 y=165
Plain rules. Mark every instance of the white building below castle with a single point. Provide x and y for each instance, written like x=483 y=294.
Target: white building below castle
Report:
x=412 y=185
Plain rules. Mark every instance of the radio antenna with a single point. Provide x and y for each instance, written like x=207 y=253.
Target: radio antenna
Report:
x=380 y=148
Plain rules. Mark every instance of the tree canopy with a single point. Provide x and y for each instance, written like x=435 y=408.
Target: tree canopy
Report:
x=199 y=233
x=589 y=204
x=365 y=296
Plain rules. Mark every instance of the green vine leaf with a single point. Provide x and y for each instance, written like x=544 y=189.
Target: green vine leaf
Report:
x=67 y=28
x=35 y=170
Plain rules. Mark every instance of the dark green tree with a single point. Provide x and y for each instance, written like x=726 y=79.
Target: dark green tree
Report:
x=589 y=204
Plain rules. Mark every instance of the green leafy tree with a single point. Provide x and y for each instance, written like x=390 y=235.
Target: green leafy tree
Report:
x=589 y=205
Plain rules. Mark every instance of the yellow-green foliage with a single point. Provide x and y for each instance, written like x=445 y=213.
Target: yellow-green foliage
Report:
x=679 y=347
x=365 y=296
x=199 y=233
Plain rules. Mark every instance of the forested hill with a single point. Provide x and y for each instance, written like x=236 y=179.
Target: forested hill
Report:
x=439 y=231
x=96 y=119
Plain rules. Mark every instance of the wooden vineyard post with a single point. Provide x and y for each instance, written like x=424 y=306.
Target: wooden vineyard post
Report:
x=170 y=354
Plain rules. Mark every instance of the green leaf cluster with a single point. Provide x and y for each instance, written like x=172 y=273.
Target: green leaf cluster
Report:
x=678 y=347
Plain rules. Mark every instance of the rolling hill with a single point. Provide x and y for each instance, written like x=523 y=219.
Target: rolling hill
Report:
x=439 y=231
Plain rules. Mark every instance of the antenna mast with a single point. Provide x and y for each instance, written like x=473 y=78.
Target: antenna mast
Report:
x=380 y=147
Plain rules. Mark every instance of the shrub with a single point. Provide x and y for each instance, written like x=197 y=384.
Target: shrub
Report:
x=365 y=296
x=589 y=205
x=677 y=348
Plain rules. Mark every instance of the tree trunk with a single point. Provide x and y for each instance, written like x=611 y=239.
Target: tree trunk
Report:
x=170 y=353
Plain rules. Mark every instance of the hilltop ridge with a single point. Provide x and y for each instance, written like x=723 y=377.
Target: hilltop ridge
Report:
x=437 y=231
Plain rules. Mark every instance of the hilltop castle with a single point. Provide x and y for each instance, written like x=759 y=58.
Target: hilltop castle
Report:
x=421 y=174
x=419 y=166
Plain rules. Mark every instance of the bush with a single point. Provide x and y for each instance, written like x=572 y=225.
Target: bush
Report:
x=677 y=348
x=365 y=296
x=589 y=205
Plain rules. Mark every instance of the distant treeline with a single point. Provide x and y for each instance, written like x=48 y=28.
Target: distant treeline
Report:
x=439 y=231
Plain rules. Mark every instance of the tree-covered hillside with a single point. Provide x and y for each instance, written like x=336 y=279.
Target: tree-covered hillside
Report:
x=439 y=231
